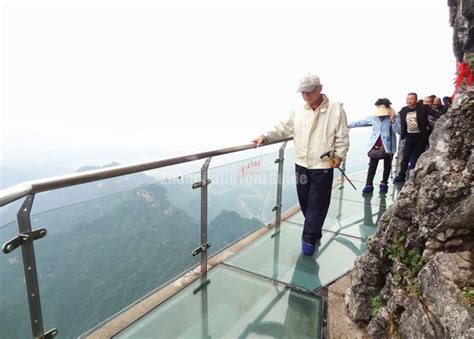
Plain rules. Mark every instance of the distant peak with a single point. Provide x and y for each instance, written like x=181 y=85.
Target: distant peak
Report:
x=112 y=164
x=90 y=168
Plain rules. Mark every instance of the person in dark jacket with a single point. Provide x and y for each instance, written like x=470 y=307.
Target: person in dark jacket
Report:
x=437 y=104
x=415 y=130
x=446 y=104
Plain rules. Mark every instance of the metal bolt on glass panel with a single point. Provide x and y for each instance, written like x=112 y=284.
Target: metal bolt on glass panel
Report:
x=25 y=240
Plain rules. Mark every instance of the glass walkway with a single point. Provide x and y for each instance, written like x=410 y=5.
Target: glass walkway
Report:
x=269 y=289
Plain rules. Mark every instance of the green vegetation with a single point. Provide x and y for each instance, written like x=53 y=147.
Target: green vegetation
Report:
x=415 y=288
x=397 y=250
x=467 y=291
x=377 y=304
x=411 y=258
x=397 y=279
x=468 y=296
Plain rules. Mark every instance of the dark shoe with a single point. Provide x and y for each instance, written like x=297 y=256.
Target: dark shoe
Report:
x=399 y=179
x=383 y=187
x=307 y=249
x=368 y=189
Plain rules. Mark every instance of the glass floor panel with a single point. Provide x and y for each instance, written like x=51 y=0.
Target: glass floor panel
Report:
x=343 y=209
x=233 y=304
x=355 y=226
x=356 y=220
x=279 y=257
x=374 y=198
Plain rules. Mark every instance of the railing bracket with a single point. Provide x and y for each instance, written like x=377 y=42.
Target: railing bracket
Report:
x=201 y=184
x=24 y=238
x=201 y=286
x=201 y=249
x=51 y=334
x=276 y=208
x=277 y=233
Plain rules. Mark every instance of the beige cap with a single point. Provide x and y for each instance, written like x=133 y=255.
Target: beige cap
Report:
x=309 y=83
x=382 y=111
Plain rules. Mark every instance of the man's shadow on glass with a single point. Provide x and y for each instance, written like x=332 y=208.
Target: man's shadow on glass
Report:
x=303 y=312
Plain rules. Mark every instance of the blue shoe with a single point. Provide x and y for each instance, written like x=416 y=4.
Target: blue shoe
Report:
x=399 y=179
x=307 y=249
x=368 y=189
x=383 y=187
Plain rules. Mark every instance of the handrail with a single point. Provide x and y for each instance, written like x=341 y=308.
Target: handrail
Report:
x=10 y=194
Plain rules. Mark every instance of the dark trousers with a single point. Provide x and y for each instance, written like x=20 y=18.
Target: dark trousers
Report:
x=314 y=195
x=413 y=149
x=387 y=164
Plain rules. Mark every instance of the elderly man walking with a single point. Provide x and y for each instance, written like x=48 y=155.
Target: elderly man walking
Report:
x=318 y=126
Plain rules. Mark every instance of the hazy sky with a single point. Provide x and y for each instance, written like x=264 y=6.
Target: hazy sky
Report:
x=93 y=81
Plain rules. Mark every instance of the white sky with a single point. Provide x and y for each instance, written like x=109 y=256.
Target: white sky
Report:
x=151 y=78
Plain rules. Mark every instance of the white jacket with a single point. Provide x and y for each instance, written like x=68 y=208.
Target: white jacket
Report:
x=315 y=133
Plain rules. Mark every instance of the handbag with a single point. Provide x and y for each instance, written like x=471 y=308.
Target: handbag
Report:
x=378 y=152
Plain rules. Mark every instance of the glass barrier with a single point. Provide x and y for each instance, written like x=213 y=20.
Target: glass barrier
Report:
x=102 y=255
x=14 y=314
x=289 y=197
x=241 y=198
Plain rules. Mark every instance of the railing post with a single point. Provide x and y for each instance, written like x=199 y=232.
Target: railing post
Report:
x=203 y=229
x=25 y=240
x=205 y=180
x=277 y=209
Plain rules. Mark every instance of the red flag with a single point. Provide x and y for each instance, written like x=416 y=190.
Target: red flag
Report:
x=464 y=71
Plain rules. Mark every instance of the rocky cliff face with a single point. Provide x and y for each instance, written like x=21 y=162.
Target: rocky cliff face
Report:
x=462 y=19
x=416 y=278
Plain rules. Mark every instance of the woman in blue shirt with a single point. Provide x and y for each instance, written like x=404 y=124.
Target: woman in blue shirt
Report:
x=385 y=123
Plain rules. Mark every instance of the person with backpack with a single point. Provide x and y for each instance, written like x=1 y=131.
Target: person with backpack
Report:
x=383 y=141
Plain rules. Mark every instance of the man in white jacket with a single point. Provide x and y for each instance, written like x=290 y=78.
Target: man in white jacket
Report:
x=318 y=126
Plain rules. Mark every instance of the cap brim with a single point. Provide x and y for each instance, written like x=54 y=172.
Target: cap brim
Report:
x=306 y=89
x=382 y=111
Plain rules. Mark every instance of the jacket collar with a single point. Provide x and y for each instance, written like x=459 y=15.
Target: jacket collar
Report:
x=322 y=108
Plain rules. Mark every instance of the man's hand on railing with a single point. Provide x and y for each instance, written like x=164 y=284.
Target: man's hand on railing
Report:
x=258 y=141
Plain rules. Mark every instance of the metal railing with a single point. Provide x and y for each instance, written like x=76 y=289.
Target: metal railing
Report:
x=27 y=235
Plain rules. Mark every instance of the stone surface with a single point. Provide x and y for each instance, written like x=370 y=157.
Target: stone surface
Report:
x=379 y=326
x=462 y=20
x=442 y=296
x=415 y=324
x=339 y=323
